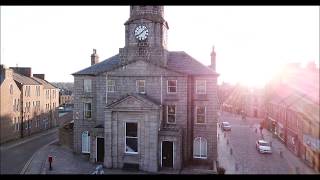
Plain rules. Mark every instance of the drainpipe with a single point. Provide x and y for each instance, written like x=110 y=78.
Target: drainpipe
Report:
x=161 y=91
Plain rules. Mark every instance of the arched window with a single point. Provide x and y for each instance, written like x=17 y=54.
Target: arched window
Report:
x=200 y=148
x=85 y=142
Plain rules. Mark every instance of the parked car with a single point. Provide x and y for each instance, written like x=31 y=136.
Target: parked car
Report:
x=226 y=126
x=263 y=146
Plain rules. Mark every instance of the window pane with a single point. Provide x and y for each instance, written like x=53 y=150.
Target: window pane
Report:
x=200 y=119
x=87 y=85
x=172 y=86
x=172 y=89
x=171 y=109
x=132 y=129
x=203 y=147
x=172 y=83
x=111 y=85
x=88 y=106
x=141 y=86
x=196 y=147
x=201 y=114
x=141 y=89
x=200 y=110
x=201 y=86
x=171 y=118
x=87 y=110
x=131 y=144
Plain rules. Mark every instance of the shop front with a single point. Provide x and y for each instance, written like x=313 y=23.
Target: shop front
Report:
x=312 y=151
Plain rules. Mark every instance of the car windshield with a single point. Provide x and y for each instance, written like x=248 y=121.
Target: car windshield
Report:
x=264 y=143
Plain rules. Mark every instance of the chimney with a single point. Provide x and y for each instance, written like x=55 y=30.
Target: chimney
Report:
x=25 y=71
x=94 y=57
x=40 y=76
x=213 y=59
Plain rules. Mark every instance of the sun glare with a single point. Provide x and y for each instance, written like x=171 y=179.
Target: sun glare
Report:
x=258 y=75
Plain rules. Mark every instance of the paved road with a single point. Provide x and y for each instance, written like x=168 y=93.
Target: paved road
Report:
x=15 y=155
x=242 y=139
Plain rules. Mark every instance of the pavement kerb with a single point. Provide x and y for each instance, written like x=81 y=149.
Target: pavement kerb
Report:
x=27 y=165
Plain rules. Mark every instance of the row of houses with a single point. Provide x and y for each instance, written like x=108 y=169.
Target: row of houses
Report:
x=241 y=100
x=28 y=103
x=292 y=111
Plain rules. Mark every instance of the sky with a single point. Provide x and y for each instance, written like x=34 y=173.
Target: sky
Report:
x=251 y=42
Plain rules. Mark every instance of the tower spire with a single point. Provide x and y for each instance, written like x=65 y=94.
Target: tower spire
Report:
x=213 y=59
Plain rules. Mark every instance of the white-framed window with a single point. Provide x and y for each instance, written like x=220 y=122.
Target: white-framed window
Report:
x=37 y=90
x=200 y=114
x=131 y=138
x=111 y=85
x=18 y=104
x=87 y=87
x=14 y=104
x=11 y=89
x=87 y=110
x=14 y=124
x=171 y=114
x=18 y=123
x=85 y=138
x=171 y=86
x=29 y=91
x=201 y=86
x=140 y=84
x=200 y=148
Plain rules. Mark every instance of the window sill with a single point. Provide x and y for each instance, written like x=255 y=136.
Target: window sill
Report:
x=131 y=153
x=199 y=157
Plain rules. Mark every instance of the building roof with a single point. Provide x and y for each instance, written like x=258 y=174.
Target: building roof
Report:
x=307 y=108
x=178 y=61
x=45 y=83
x=24 y=79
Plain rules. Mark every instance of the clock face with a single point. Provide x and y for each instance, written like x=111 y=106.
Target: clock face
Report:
x=141 y=32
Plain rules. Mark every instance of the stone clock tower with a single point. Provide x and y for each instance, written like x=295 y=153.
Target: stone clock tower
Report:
x=145 y=36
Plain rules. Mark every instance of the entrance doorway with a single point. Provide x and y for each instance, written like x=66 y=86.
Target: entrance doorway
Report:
x=167 y=154
x=100 y=149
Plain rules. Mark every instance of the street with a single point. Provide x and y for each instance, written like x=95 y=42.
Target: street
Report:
x=15 y=155
x=244 y=158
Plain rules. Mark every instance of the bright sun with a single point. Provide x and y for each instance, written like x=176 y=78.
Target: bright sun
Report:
x=255 y=75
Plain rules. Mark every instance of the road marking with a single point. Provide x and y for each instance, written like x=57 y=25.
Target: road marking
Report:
x=24 y=169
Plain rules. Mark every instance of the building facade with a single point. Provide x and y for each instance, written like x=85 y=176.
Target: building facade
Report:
x=293 y=112
x=28 y=103
x=146 y=106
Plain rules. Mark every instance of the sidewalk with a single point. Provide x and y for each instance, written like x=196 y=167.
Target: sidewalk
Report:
x=226 y=160
x=66 y=162
x=296 y=164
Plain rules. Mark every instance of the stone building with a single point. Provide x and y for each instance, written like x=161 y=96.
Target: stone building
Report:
x=24 y=102
x=65 y=97
x=146 y=106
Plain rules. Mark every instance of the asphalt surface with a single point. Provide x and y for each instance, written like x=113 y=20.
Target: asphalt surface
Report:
x=242 y=140
x=15 y=155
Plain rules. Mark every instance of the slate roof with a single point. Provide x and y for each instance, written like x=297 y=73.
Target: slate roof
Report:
x=45 y=83
x=24 y=79
x=178 y=61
